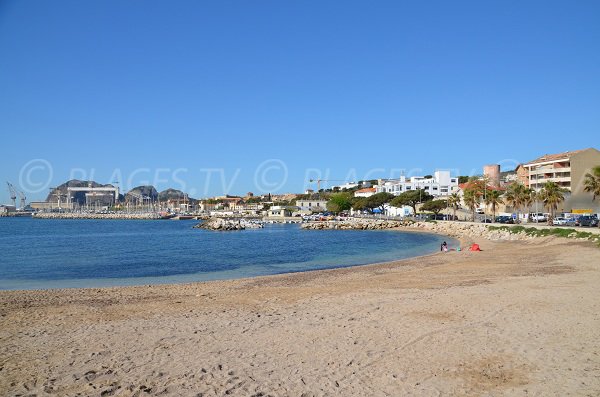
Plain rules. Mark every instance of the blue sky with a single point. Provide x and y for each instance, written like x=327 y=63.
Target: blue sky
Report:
x=230 y=97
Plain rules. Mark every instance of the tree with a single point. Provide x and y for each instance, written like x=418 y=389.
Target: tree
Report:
x=360 y=204
x=516 y=196
x=493 y=198
x=411 y=198
x=378 y=200
x=471 y=197
x=454 y=202
x=463 y=179
x=339 y=202
x=552 y=195
x=529 y=197
x=592 y=182
x=434 y=206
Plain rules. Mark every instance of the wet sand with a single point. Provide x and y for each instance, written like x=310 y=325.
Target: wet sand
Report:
x=520 y=318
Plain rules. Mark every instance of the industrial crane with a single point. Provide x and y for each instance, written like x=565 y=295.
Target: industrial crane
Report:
x=23 y=199
x=13 y=194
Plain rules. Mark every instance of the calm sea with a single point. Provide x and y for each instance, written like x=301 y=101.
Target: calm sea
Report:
x=37 y=253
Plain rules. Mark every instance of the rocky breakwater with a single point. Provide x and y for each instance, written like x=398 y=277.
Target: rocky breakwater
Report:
x=83 y=215
x=469 y=230
x=353 y=224
x=220 y=224
x=453 y=229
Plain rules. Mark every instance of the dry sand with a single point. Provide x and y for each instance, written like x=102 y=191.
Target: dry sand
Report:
x=519 y=318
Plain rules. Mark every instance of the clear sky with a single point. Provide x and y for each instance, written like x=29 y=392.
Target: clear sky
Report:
x=235 y=96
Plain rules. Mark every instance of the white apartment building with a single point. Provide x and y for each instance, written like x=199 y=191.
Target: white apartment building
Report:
x=312 y=205
x=441 y=184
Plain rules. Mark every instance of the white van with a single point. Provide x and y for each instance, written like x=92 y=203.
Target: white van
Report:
x=537 y=217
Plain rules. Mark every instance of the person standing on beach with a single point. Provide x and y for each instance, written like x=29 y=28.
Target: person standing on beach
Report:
x=444 y=246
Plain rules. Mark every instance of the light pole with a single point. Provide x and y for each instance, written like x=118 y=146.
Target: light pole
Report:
x=484 y=198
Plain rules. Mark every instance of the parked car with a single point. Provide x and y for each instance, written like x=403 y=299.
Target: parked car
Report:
x=505 y=219
x=587 y=220
x=486 y=220
x=537 y=217
x=559 y=221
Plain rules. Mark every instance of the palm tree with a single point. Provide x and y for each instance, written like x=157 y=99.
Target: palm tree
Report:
x=530 y=196
x=493 y=198
x=471 y=197
x=454 y=202
x=516 y=196
x=592 y=182
x=552 y=195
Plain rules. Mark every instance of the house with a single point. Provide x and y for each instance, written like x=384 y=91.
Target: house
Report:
x=279 y=212
x=522 y=175
x=346 y=186
x=440 y=184
x=481 y=208
x=312 y=205
x=366 y=192
x=208 y=207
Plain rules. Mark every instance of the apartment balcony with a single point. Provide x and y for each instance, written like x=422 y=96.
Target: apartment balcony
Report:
x=549 y=169
x=557 y=179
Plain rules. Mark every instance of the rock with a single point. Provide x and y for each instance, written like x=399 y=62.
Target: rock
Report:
x=228 y=224
x=353 y=224
x=452 y=229
x=144 y=190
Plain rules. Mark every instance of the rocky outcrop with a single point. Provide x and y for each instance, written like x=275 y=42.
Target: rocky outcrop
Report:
x=171 y=194
x=144 y=191
x=220 y=224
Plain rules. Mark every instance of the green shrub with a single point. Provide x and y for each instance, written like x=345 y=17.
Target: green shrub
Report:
x=558 y=232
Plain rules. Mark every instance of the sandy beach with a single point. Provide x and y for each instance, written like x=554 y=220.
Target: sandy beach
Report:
x=519 y=318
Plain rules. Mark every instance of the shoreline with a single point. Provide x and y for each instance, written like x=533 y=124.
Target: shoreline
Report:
x=468 y=323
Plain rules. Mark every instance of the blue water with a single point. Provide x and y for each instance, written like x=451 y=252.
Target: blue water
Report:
x=37 y=253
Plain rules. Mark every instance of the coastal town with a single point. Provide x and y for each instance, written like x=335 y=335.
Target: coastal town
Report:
x=557 y=188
